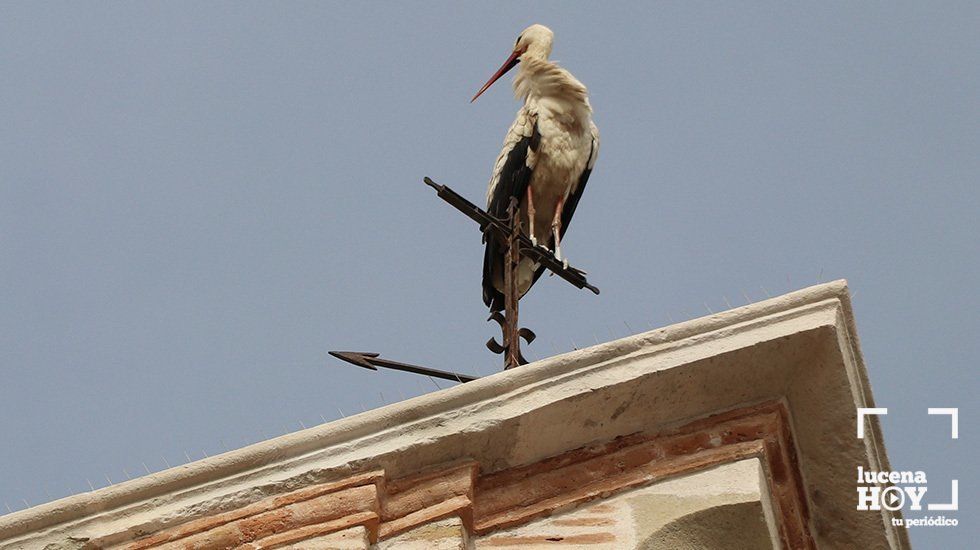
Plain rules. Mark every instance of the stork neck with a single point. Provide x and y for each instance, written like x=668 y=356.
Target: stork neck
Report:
x=539 y=78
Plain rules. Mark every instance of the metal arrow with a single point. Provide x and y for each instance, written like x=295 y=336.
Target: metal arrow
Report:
x=369 y=360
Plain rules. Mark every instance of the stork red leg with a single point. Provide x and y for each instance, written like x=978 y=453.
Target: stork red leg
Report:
x=530 y=215
x=556 y=227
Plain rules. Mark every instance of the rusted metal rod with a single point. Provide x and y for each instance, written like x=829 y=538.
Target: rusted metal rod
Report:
x=512 y=296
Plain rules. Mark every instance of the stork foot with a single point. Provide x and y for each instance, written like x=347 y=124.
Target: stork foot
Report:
x=564 y=264
x=558 y=256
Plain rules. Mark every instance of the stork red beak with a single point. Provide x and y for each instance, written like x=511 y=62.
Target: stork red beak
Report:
x=508 y=65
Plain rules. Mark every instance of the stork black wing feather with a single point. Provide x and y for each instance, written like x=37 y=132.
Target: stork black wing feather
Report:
x=513 y=181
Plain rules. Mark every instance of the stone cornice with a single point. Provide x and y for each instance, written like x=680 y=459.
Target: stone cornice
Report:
x=510 y=497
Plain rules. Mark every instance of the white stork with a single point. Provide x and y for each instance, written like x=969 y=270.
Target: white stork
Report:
x=547 y=157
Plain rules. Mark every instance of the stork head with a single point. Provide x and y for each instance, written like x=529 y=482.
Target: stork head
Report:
x=534 y=41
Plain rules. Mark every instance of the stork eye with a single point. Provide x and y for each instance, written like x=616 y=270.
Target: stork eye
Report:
x=518 y=40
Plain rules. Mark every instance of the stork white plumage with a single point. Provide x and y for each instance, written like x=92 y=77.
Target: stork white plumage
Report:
x=546 y=161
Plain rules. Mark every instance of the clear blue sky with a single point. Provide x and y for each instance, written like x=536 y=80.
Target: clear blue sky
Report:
x=197 y=201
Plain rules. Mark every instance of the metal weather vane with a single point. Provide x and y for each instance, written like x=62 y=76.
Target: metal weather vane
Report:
x=518 y=245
